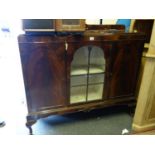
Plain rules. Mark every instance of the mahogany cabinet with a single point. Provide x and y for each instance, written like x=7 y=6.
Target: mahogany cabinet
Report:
x=65 y=74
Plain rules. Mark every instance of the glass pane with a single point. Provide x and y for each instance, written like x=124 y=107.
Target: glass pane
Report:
x=70 y=21
x=80 y=62
x=96 y=69
x=96 y=78
x=95 y=92
x=97 y=61
x=79 y=80
x=78 y=94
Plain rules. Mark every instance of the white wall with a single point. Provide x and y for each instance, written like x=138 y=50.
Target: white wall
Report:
x=92 y=21
x=104 y=21
x=109 y=21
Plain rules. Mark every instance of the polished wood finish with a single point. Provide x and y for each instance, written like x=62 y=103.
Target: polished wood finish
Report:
x=44 y=68
x=100 y=30
x=105 y=27
x=46 y=63
x=124 y=65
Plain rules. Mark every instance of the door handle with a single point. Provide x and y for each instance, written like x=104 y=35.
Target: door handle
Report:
x=66 y=46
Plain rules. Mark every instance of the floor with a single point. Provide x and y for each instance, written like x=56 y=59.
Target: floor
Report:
x=109 y=121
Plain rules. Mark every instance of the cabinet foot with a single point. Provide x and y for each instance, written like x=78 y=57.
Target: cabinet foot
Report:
x=30 y=129
x=29 y=124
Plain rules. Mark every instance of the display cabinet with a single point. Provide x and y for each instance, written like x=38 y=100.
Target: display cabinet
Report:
x=66 y=74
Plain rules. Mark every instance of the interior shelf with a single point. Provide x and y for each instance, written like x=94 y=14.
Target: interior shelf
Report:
x=84 y=70
x=78 y=94
x=77 y=98
x=79 y=70
x=96 y=69
x=91 y=84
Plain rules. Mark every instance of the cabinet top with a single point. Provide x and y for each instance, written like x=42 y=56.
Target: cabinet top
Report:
x=78 y=38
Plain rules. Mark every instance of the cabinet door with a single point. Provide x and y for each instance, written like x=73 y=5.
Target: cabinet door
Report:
x=124 y=64
x=44 y=73
x=86 y=72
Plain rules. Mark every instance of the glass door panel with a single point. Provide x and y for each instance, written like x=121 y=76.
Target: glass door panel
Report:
x=87 y=75
x=95 y=92
x=96 y=69
x=96 y=78
x=97 y=61
x=78 y=94
x=80 y=62
x=79 y=80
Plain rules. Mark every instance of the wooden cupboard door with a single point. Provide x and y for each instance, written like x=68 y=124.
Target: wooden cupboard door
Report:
x=124 y=64
x=44 y=73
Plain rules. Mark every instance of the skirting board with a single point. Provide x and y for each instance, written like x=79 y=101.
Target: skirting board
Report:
x=143 y=128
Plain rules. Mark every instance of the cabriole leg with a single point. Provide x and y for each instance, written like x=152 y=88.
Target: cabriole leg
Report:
x=29 y=124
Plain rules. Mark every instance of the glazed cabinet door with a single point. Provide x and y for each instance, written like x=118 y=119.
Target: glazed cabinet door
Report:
x=44 y=71
x=87 y=72
x=124 y=66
